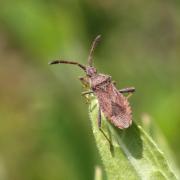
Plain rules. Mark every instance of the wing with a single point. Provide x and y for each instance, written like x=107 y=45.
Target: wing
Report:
x=114 y=106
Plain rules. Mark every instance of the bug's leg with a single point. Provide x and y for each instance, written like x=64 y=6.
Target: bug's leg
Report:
x=127 y=90
x=87 y=98
x=99 y=126
x=114 y=82
x=129 y=95
x=84 y=81
x=99 y=118
x=86 y=92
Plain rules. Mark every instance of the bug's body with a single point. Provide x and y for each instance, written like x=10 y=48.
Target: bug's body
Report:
x=112 y=103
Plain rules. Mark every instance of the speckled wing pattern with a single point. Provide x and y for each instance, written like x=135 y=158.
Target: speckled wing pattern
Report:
x=114 y=105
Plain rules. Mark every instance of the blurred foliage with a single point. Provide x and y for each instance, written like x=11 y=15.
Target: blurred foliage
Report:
x=44 y=129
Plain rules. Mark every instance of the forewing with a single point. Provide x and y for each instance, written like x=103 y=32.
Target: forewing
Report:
x=114 y=106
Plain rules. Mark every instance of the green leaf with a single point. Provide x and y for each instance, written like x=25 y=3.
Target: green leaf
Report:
x=156 y=134
x=132 y=154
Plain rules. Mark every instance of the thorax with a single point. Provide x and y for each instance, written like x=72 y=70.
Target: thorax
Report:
x=99 y=81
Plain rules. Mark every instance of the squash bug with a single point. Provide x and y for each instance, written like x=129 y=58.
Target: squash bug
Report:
x=111 y=101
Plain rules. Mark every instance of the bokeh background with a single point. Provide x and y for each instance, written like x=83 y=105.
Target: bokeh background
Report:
x=45 y=132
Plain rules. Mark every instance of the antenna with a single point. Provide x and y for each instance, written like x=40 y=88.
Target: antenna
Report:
x=68 y=62
x=93 y=46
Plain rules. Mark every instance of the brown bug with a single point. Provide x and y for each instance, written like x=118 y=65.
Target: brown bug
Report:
x=112 y=103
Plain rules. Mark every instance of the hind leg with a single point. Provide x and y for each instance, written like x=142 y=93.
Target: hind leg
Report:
x=84 y=81
x=99 y=126
x=99 y=118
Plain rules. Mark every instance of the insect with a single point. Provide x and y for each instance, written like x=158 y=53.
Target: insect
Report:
x=111 y=101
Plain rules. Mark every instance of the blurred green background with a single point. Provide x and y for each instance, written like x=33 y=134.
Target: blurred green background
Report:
x=45 y=132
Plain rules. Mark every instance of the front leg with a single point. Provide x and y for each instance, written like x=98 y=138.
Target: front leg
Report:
x=84 y=81
x=99 y=126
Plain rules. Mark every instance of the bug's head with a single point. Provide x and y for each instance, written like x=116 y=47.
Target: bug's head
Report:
x=91 y=71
